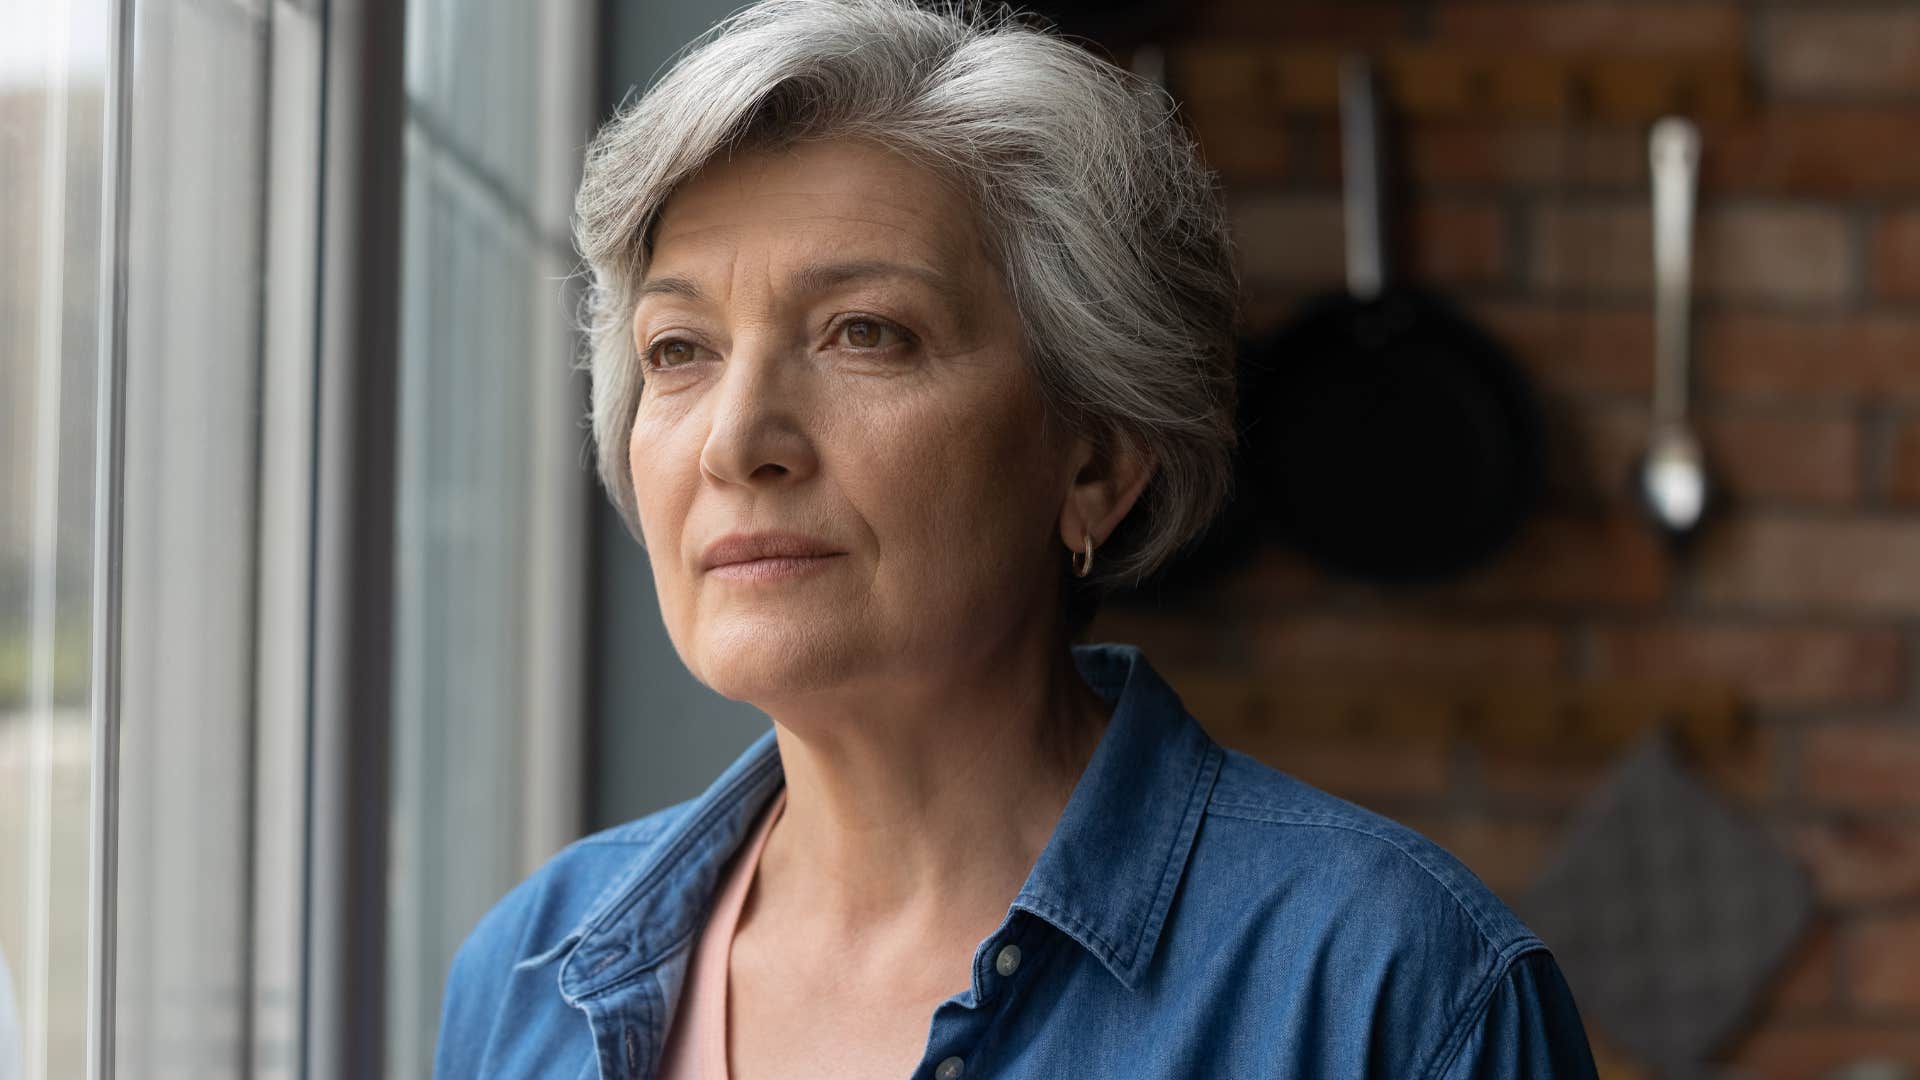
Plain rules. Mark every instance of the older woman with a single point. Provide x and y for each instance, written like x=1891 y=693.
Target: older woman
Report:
x=911 y=333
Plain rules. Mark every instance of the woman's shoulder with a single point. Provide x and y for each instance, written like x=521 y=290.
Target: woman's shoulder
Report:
x=539 y=915
x=1318 y=852
x=1357 y=919
x=501 y=1007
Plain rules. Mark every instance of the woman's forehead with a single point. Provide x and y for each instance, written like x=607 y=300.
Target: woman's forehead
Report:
x=840 y=202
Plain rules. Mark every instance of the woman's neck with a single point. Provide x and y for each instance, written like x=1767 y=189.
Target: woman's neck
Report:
x=921 y=811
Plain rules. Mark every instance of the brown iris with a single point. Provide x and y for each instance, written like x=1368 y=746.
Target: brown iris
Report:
x=865 y=334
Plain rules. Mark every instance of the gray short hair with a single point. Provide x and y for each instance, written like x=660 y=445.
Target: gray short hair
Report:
x=1109 y=231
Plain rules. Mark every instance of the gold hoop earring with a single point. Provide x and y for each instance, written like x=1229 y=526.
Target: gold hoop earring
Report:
x=1083 y=568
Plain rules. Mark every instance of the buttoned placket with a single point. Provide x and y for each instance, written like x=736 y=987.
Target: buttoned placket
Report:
x=628 y=1028
x=614 y=975
x=962 y=1023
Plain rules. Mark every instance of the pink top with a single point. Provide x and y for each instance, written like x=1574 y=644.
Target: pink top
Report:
x=697 y=1044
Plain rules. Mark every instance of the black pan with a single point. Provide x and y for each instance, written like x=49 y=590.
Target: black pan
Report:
x=1395 y=440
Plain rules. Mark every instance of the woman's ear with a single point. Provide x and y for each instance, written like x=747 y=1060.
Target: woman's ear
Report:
x=1108 y=477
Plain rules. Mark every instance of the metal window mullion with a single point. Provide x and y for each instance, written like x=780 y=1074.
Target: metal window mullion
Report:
x=109 y=472
x=285 y=499
x=350 y=719
x=554 y=717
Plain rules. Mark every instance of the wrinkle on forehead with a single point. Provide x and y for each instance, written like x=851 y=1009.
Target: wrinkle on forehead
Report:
x=840 y=182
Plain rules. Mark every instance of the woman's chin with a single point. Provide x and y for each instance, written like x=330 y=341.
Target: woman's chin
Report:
x=764 y=657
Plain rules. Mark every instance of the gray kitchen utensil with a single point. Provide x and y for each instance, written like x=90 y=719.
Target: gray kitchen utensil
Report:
x=1667 y=911
x=1672 y=475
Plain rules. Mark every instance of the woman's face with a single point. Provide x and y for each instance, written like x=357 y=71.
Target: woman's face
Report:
x=831 y=353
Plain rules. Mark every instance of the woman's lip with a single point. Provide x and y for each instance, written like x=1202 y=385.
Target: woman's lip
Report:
x=777 y=568
x=744 y=547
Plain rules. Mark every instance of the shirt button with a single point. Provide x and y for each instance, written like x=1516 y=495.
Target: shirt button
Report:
x=1008 y=961
x=949 y=1069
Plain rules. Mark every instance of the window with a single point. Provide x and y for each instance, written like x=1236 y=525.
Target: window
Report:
x=489 y=569
x=292 y=493
x=54 y=59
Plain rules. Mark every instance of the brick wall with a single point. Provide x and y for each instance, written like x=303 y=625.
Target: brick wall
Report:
x=1804 y=597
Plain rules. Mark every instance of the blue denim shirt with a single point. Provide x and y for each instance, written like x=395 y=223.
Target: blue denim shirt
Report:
x=1194 y=914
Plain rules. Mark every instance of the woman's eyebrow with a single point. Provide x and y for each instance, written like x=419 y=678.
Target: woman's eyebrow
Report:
x=685 y=288
x=821 y=277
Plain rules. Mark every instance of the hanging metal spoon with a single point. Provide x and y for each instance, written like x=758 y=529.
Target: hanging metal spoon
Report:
x=1672 y=477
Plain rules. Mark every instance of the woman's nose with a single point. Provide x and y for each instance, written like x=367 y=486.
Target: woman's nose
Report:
x=761 y=421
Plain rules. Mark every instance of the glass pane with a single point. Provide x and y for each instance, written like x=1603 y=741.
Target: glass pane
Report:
x=489 y=460
x=220 y=275
x=53 y=67
x=192 y=390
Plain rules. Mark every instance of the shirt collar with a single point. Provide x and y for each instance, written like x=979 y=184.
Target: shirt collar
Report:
x=1108 y=874
x=1105 y=878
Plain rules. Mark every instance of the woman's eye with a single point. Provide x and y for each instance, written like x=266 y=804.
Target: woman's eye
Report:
x=869 y=333
x=671 y=352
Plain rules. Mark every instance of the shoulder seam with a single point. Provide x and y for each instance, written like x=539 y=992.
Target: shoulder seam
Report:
x=644 y=829
x=648 y=837
x=1477 y=1005
x=1272 y=816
